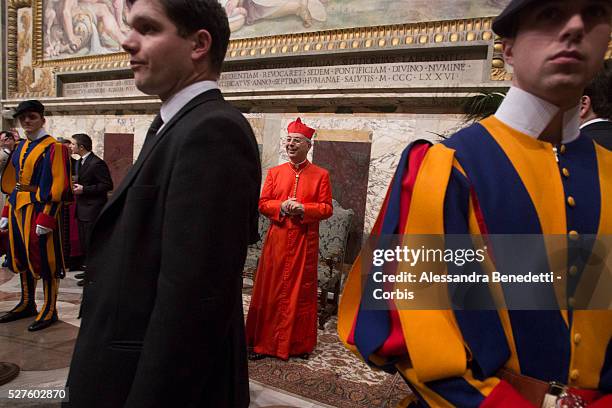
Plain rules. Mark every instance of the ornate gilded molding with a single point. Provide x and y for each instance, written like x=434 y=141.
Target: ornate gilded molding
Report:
x=12 y=9
x=443 y=34
x=37 y=33
x=397 y=36
x=498 y=65
x=88 y=63
x=390 y=37
x=23 y=78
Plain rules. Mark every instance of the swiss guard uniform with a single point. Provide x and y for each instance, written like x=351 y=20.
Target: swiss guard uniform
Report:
x=493 y=177
x=37 y=180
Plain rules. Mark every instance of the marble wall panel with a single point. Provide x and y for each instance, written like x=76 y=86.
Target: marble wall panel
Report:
x=118 y=154
x=257 y=123
x=390 y=134
x=348 y=164
x=271 y=148
x=390 y=137
x=97 y=125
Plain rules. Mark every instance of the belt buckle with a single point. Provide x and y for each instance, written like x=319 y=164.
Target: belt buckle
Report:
x=559 y=396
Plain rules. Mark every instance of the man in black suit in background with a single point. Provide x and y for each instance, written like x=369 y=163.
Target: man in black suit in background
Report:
x=596 y=109
x=162 y=321
x=93 y=182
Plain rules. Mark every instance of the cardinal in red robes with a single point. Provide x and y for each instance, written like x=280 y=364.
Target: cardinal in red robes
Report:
x=282 y=319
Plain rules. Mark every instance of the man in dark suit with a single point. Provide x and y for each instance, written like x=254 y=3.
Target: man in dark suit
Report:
x=162 y=308
x=596 y=109
x=93 y=182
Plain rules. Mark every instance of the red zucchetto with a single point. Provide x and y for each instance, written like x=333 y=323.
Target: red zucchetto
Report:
x=298 y=127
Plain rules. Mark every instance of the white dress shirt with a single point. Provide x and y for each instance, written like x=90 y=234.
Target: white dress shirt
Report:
x=37 y=135
x=84 y=157
x=171 y=107
x=590 y=122
x=530 y=115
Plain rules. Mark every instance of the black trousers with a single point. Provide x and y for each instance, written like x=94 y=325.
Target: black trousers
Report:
x=85 y=228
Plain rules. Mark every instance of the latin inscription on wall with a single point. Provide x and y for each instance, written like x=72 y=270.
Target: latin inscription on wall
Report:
x=422 y=70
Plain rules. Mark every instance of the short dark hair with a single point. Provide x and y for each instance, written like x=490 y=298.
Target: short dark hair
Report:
x=600 y=92
x=190 y=16
x=83 y=140
x=8 y=133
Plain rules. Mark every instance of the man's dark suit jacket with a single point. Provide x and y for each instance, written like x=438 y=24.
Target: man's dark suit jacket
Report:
x=96 y=180
x=600 y=132
x=162 y=322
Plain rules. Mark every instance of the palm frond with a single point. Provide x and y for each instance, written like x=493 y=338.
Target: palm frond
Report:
x=484 y=104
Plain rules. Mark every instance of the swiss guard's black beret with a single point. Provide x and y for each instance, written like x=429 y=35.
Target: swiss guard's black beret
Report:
x=29 y=106
x=504 y=25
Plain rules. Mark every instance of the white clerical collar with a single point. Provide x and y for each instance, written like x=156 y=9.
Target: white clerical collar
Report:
x=530 y=115
x=590 y=122
x=171 y=107
x=39 y=133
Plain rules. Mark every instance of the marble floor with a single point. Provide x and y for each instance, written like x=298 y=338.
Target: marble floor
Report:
x=20 y=347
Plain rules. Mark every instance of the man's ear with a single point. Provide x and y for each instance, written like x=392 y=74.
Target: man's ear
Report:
x=585 y=106
x=507 y=50
x=202 y=42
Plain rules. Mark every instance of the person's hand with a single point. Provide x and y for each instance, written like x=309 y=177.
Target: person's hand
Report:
x=40 y=230
x=299 y=209
x=293 y=207
x=77 y=189
x=6 y=142
x=3 y=223
x=285 y=206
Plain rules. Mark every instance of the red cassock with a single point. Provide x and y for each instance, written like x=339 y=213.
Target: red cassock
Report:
x=282 y=319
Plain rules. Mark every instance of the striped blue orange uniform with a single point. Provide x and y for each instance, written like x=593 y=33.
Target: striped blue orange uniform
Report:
x=489 y=179
x=43 y=166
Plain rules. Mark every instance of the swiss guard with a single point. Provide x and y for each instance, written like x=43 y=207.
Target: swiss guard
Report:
x=525 y=171
x=37 y=182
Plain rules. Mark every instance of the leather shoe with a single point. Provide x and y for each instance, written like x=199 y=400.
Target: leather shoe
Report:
x=81 y=282
x=304 y=356
x=12 y=316
x=256 y=356
x=80 y=275
x=42 y=324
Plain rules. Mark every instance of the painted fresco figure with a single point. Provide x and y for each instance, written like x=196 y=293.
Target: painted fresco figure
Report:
x=37 y=180
x=236 y=14
x=524 y=170
x=71 y=25
x=77 y=13
x=307 y=10
x=282 y=318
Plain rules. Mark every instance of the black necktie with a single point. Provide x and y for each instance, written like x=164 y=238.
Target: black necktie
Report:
x=155 y=125
x=153 y=129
